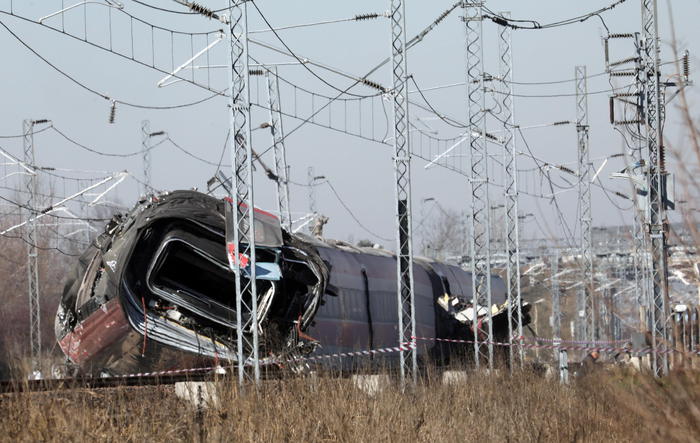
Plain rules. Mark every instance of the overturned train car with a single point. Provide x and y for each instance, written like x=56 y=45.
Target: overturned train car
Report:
x=155 y=292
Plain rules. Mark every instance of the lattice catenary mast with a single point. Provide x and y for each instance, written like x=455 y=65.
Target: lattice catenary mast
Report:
x=146 y=147
x=242 y=197
x=279 y=150
x=655 y=180
x=476 y=127
x=402 y=171
x=555 y=319
x=146 y=155
x=32 y=256
x=585 y=300
x=515 y=325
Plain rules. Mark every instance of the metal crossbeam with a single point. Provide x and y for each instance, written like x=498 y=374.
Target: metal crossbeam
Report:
x=242 y=198
x=481 y=241
x=279 y=150
x=510 y=167
x=585 y=300
x=30 y=233
x=402 y=172
x=655 y=175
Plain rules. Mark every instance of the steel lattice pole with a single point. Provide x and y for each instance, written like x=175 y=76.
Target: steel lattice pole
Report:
x=311 y=180
x=555 y=320
x=585 y=300
x=280 y=153
x=510 y=166
x=32 y=255
x=242 y=198
x=656 y=215
x=402 y=172
x=481 y=260
x=146 y=151
x=641 y=268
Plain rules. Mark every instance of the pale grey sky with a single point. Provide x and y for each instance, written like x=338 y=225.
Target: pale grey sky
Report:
x=361 y=171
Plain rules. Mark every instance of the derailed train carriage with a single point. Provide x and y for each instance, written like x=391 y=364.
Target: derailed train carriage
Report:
x=155 y=292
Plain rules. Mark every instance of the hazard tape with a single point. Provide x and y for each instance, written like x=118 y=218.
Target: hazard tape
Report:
x=403 y=347
x=167 y=372
x=564 y=347
x=575 y=342
x=277 y=361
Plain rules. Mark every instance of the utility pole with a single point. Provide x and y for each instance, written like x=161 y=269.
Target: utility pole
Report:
x=656 y=176
x=281 y=169
x=311 y=182
x=402 y=173
x=481 y=241
x=243 y=242
x=560 y=357
x=423 y=231
x=510 y=167
x=31 y=238
x=146 y=147
x=585 y=299
x=642 y=275
x=636 y=97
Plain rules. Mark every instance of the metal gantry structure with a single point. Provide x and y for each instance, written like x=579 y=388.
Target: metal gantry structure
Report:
x=476 y=129
x=242 y=199
x=510 y=168
x=585 y=298
x=402 y=174
x=656 y=177
x=31 y=238
x=279 y=149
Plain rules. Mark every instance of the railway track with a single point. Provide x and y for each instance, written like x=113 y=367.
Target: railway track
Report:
x=17 y=386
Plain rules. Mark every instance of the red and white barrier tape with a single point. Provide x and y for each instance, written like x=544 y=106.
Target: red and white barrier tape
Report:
x=562 y=347
x=403 y=347
x=274 y=361
x=574 y=342
x=166 y=372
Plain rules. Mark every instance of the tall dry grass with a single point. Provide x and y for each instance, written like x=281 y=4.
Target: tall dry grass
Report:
x=603 y=407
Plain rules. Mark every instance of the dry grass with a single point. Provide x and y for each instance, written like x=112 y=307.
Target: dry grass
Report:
x=609 y=407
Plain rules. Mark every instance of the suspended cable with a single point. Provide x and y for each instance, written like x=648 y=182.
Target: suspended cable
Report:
x=300 y=60
x=171 y=11
x=604 y=91
x=194 y=156
x=504 y=21
x=95 y=92
x=358 y=17
x=46 y=128
x=354 y=217
x=49 y=214
x=102 y=153
x=41 y=248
